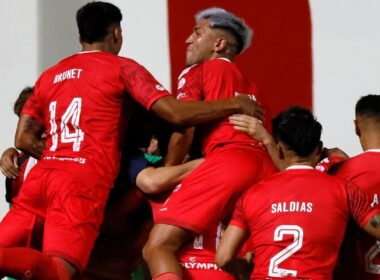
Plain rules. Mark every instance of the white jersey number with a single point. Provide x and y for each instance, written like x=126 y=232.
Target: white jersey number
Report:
x=370 y=267
x=297 y=232
x=72 y=117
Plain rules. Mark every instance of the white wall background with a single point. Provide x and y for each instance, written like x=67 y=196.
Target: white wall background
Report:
x=346 y=58
x=35 y=34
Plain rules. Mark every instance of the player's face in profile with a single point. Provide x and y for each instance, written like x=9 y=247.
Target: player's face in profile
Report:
x=200 y=43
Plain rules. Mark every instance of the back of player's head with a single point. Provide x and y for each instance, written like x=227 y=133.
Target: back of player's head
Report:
x=298 y=130
x=94 y=20
x=220 y=18
x=21 y=100
x=368 y=106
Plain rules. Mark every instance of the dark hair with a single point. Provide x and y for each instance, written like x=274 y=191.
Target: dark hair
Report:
x=298 y=130
x=94 y=20
x=368 y=106
x=21 y=100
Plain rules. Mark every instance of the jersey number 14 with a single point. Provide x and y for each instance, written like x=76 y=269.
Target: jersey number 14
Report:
x=69 y=119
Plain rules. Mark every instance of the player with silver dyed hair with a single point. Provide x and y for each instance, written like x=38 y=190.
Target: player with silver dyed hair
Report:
x=233 y=161
x=220 y=18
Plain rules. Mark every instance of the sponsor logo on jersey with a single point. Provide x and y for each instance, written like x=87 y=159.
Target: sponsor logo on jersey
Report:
x=200 y=265
x=160 y=87
x=75 y=159
x=181 y=95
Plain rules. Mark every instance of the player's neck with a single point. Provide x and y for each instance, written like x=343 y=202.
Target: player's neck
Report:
x=370 y=141
x=98 y=46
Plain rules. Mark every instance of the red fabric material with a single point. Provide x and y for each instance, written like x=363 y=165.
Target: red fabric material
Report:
x=168 y=276
x=26 y=263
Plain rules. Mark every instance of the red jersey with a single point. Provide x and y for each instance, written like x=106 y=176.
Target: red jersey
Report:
x=216 y=79
x=79 y=101
x=297 y=220
x=362 y=249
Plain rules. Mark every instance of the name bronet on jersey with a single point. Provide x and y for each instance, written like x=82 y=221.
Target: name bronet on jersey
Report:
x=292 y=206
x=68 y=74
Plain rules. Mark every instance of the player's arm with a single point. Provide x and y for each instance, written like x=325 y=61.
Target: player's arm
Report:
x=189 y=113
x=28 y=136
x=373 y=226
x=8 y=163
x=179 y=146
x=153 y=180
x=359 y=204
x=254 y=128
x=232 y=241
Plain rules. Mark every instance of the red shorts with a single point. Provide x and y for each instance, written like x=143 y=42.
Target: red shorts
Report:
x=72 y=208
x=209 y=193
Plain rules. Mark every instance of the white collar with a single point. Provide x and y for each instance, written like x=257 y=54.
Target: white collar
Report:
x=373 y=150
x=224 y=58
x=89 y=51
x=299 y=167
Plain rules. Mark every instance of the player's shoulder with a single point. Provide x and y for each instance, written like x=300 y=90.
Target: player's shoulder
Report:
x=191 y=70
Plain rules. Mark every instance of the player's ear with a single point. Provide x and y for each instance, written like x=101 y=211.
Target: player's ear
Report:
x=117 y=33
x=220 y=44
x=281 y=154
x=319 y=149
x=357 y=128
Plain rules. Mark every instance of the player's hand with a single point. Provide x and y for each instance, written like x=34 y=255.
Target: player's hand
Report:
x=333 y=152
x=8 y=163
x=252 y=126
x=250 y=107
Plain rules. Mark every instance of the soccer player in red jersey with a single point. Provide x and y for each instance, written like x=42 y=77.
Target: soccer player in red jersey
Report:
x=297 y=217
x=82 y=104
x=359 y=258
x=233 y=160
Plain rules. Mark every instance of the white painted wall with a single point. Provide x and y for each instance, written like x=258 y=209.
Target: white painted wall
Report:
x=35 y=34
x=346 y=53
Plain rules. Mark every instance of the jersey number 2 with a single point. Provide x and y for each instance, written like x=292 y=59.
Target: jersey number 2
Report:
x=72 y=117
x=297 y=232
x=369 y=256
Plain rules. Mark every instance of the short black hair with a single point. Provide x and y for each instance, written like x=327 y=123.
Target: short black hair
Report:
x=368 y=106
x=298 y=130
x=94 y=20
x=21 y=100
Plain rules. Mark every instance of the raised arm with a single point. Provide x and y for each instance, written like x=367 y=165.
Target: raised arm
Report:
x=152 y=180
x=28 y=136
x=226 y=256
x=189 y=113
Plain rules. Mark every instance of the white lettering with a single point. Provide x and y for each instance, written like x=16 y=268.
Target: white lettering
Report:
x=375 y=200
x=292 y=206
x=69 y=74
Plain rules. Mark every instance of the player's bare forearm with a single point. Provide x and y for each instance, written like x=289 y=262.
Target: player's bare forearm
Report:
x=28 y=136
x=179 y=146
x=373 y=226
x=190 y=113
x=156 y=180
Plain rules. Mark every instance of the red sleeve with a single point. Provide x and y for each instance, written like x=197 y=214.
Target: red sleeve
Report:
x=33 y=107
x=141 y=85
x=238 y=217
x=359 y=204
x=190 y=84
